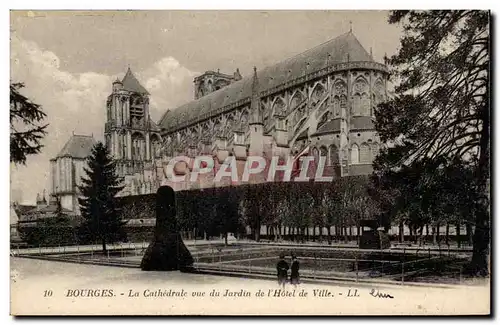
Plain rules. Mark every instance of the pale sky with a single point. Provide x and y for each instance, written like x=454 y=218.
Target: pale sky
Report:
x=69 y=59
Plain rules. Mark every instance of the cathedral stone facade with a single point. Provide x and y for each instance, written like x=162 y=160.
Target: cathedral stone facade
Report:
x=320 y=102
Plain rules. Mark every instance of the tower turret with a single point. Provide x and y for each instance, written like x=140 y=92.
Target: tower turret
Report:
x=117 y=85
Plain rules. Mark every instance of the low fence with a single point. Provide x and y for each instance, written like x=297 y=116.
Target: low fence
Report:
x=316 y=263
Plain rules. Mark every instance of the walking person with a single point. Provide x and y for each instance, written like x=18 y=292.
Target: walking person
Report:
x=294 y=276
x=282 y=268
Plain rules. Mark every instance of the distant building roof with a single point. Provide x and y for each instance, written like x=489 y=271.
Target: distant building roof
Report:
x=22 y=209
x=78 y=146
x=51 y=208
x=131 y=83
x=344 y=48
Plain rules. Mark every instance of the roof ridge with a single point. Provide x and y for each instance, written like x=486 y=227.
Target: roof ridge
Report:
x=317 y=46
x=340 y=49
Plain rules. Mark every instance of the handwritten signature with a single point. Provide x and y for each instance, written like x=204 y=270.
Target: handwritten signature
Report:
x=378 y=294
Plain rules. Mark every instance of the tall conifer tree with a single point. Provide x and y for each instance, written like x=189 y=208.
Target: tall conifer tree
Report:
x=101 y=221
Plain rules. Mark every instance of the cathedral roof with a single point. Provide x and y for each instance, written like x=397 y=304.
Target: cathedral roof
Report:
x=362 y=123
x=344 y=48
x=153 y=125
x=131 y=83
x=329 y=127
x=78 y=146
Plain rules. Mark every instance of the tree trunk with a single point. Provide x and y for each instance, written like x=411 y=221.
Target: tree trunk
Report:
x=329 y=230
x=421 y=236
x=104 y=250
x=346 y=238
x=307 y=234
x=434 y=235
x=458 y=235
x=314 y=234
x=438 y=234
x=321 y=234
x=401 y=232
x=481 y=239
x=468 y=229
x=225 y=238
x=447 y=235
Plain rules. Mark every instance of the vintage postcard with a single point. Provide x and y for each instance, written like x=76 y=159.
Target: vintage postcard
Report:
x=250 y=162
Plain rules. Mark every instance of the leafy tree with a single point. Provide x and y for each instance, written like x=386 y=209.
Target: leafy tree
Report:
x=227 y=213
x=26 y=130
x=441 y=110
x=101 y=220
x=330 y=204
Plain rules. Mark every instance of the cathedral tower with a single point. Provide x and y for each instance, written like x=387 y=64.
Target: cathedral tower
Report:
x=131 y=136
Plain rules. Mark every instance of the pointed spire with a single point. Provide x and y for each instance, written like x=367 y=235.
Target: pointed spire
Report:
x=256 y=117
x=131 y=83
x=255 y=80
x=371 y=52
x=350 y=26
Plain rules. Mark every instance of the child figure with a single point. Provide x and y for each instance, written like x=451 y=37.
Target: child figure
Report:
x=282 y=268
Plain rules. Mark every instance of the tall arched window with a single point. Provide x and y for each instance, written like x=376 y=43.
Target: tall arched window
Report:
x=323 y=152
x=108 y=142
x=374 y=149
x=365 y=105
x=334 y=155
x=138 y=146
x=354 y=154
x=155 y=146
x=364 y=154
x=343 y=105
x=315 y=153
x=336 y=106
x=124 y=145
x=356 y=105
